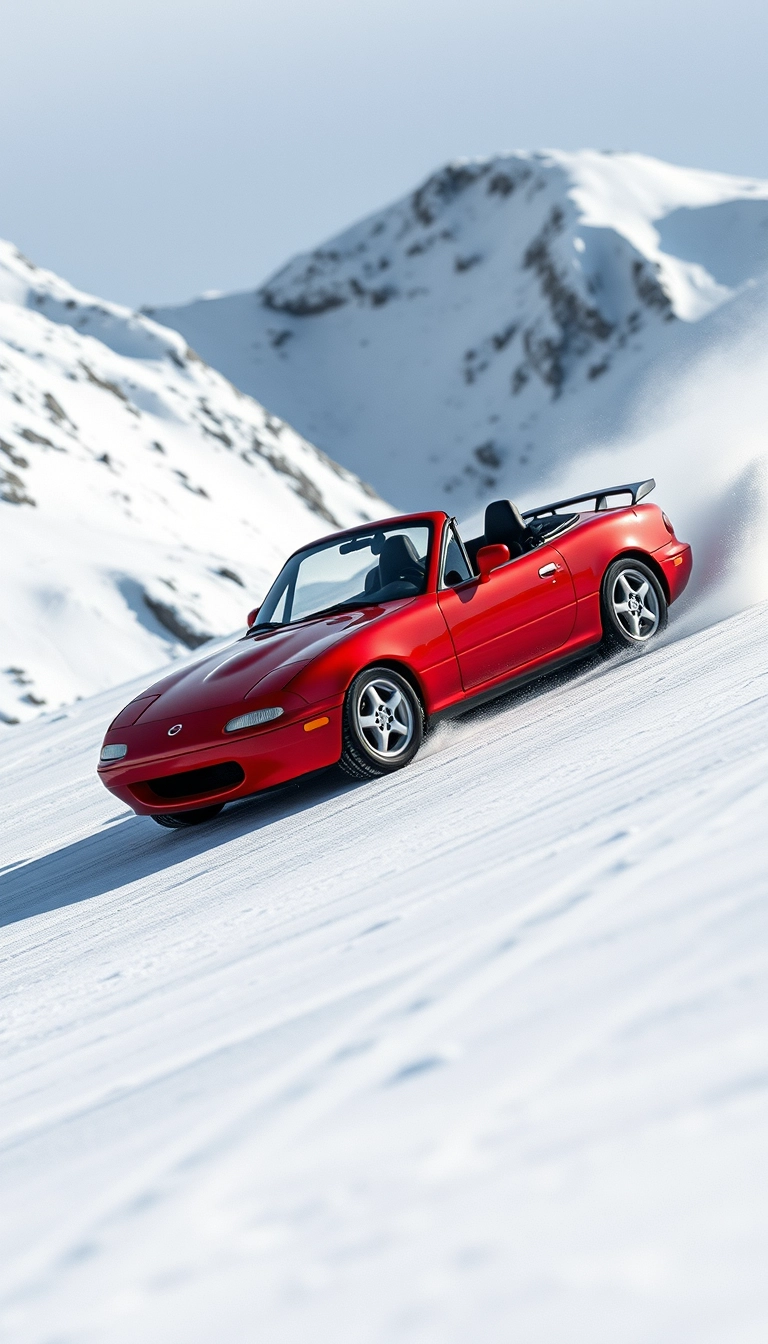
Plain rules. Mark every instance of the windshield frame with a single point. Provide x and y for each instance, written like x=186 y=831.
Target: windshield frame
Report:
x=397 y=524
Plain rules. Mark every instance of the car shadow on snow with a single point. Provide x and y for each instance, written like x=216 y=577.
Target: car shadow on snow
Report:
x=133 y=848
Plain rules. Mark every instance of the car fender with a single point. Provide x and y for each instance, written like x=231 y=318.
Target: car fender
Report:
x=414 y=640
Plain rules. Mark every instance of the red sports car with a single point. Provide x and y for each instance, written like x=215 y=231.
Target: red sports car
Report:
x=369 y=635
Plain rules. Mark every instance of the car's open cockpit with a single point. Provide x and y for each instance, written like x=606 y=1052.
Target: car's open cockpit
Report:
x=503 y=525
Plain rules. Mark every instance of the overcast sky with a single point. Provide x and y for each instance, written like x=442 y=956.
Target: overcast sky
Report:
x=151 y=150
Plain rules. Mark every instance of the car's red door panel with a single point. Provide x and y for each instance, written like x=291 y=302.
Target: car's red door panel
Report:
x=519 y=615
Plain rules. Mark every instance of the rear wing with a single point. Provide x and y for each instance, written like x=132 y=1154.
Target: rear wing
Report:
x=637 y=489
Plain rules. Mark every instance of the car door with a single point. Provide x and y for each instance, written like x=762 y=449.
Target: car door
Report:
x=526 y=610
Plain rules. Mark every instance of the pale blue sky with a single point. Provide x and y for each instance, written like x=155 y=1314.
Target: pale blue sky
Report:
x=154 y=149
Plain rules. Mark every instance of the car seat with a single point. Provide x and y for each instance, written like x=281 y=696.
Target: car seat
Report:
x=399 y=561
x=505 y=525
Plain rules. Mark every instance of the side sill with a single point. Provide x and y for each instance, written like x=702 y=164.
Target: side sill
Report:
x=479 y=698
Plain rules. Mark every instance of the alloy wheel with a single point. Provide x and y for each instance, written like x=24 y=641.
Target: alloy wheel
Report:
x=385 y=718
x=635 y=605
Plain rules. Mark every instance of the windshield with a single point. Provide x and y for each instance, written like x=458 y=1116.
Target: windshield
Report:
x=375 y=565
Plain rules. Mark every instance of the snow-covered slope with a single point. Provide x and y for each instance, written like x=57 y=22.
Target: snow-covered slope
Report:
x=476 y=335
x=144 y=502
x=473 y=1053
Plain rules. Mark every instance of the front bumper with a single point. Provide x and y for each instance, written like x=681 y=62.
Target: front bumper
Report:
x=267 y=756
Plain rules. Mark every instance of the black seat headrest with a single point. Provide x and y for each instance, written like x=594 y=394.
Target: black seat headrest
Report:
x=504 y=524
x=398 y=559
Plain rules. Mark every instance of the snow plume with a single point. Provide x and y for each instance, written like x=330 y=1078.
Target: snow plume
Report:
x=704 y=437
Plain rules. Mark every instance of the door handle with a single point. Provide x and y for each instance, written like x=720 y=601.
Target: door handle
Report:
x=546 y=570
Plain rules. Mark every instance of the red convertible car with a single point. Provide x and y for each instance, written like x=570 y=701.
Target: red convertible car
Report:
x=370 y=635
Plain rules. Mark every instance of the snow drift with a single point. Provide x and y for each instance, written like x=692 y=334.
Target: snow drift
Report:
x=144 y=502
x=475 y=1052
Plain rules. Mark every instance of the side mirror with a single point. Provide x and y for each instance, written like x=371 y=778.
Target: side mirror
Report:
x=490 y=557
x=252 y=616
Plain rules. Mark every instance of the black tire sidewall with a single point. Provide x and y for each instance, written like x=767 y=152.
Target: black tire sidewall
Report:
x=356 y=752
x=615 y=635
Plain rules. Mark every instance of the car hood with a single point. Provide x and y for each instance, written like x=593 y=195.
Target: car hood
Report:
x=231 y=673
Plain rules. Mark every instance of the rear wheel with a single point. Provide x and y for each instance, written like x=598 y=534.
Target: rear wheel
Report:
x=383 y=724
x=634 y=605
x=178 y=821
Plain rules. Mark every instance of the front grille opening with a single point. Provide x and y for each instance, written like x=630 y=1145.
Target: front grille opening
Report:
x=211 y=779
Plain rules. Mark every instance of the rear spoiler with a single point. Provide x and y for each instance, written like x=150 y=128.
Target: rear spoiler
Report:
x=637 y=489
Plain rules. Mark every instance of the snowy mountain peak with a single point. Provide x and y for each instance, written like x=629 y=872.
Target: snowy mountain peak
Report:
x=145 y=502
x=443 y=345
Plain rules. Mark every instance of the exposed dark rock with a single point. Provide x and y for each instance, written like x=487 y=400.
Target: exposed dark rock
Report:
x=649 y=289
x=443 y=187
x=57 y=412
x=171 y=621
x=500 y=339
x=303 y=305
x=215 y=434
x=103 y=383
x=579 y=323
x=477 y=361
x=488 y=454
x=32 y=436
x=381 y=296
x=503 y=184
x=466 y=263
x=225 y=573
x=13 y=489
x=304 y=487
x=519 y=379
x=15 y=458
x=193 y=489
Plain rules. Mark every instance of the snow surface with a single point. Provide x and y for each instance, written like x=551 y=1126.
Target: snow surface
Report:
x=145 y=504
x=471 y=339
x=476 y=1052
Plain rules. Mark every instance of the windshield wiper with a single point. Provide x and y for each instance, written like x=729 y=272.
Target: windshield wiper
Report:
x=267 y=625
x=338 y=606
x=311 y=615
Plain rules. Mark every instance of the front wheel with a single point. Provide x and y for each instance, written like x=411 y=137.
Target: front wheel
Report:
x=383 y=724
x=178 y=821
x=634 y=605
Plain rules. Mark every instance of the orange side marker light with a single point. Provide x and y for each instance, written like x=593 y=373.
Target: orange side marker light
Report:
x=312 y=724
x=678 y=560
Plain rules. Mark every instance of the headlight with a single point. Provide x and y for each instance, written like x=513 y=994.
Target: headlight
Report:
x=114 y=752
x=252 y=720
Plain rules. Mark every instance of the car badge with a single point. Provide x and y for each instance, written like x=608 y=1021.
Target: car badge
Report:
x=177 y=727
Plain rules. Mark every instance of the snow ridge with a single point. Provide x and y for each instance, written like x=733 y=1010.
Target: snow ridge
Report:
x=145 y=502
x=473 y=335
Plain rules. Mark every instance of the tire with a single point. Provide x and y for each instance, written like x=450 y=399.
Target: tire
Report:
x=178 y=821
x=633 y=604
x=383 y=724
